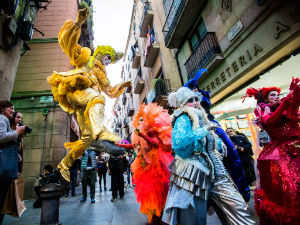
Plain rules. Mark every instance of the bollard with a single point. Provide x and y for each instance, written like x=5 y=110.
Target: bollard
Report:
x=50 y=195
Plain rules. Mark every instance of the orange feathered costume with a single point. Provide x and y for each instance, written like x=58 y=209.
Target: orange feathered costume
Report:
x=150 y=168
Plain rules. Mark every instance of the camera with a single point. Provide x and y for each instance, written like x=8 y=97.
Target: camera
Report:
x=28 y=129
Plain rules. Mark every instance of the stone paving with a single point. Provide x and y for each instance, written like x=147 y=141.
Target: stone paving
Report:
x=73 y=212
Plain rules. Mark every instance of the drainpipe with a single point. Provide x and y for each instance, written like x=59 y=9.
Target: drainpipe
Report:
x=178 y=66
x=45 y=113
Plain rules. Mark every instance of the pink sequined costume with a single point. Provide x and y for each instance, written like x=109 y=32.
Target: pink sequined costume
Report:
x=277 y=201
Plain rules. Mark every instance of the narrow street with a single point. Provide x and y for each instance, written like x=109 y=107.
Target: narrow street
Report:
x=72 y=211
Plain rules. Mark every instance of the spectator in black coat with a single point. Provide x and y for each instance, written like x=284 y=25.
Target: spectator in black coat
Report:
x=117 y=166
x=244 y=149
x=102 y=170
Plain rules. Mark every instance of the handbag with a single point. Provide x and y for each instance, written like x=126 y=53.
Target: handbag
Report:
x=13 y=204
x=9 y=161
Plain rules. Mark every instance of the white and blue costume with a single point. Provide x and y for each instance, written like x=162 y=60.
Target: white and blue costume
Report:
x=197 y=172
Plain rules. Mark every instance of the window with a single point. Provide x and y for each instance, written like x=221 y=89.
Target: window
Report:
x=197 y=35
x=194 y=41
x=167 y=6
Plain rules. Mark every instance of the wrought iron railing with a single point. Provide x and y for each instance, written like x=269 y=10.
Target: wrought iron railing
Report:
x=146 y=7
x=134 y=50
x=130 y=110
x=124 y=99
x=206 y=49
x=172 y=17
x=139 y=73
x=161 y=88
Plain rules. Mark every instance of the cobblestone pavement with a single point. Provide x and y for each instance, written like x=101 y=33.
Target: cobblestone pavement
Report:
x=73 y=212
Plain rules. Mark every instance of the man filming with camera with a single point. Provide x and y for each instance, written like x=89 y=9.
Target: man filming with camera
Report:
x=46 y=178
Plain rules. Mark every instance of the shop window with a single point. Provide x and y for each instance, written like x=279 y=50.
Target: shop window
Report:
x=197 y=35
x=167 y=6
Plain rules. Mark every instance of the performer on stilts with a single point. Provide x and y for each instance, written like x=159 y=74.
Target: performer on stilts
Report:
x=79 y=91
x=277 y=199
x=197 y=172
x=231 y=160
x=152 y=139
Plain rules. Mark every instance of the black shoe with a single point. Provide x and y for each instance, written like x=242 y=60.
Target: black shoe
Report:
x=113 y=200
x=122 y=197
x=108 y=147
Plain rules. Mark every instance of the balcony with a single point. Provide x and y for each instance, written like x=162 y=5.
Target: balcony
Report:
x=128 y=90
x=161 y=89
x=124 y=98
x=180 y=20
x=207 y=50
x=151 y=51
x=126 y=121
x=130 y=110
x=139 y=84
x=135 y=56
x=136 y=61
x=146 y=20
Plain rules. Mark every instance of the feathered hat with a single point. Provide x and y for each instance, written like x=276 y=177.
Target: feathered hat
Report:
x=193 y=84
x=260 y=94
x=180 y=97
x=106 y=50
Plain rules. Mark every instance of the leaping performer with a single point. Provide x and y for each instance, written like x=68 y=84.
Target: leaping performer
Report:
x=152 y=139
x=79 y=91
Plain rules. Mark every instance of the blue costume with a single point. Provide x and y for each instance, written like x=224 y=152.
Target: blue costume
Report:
x=197 y=172
x=232 y=161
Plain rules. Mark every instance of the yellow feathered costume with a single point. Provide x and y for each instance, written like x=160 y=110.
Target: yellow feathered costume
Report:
x=79 y=91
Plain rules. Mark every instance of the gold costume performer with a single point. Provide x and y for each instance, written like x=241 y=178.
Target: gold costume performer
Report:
x=79 y=91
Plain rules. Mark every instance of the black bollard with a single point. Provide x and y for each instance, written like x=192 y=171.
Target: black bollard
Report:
x=50 y=195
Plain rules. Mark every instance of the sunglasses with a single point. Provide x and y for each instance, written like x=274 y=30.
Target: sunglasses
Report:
x=194 y=99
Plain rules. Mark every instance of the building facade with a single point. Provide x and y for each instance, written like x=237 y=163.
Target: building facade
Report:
x=17 y=20
x=51 y=127
x=150 y=66
x=242 y=44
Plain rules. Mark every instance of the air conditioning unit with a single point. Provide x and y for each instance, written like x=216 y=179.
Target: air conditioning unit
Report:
x=9 y=6
x=26 y=31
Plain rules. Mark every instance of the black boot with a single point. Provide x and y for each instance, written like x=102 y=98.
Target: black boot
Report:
x=108 y=147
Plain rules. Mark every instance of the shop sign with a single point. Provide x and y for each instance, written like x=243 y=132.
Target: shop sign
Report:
x=46 y=99
x=258 y=44
x=235 y=30
x=75 y=126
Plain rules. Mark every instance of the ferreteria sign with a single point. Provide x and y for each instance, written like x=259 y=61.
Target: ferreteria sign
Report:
x=261 y=44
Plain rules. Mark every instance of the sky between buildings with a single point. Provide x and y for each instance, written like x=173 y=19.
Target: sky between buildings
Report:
x=111 y=27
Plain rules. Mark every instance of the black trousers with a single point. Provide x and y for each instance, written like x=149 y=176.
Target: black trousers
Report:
x=117 y=183
x=102 y=174
x=4 y=186
x=38 y=202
